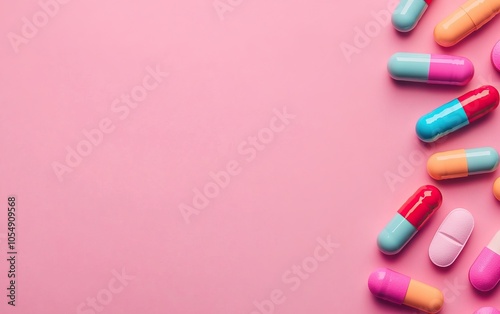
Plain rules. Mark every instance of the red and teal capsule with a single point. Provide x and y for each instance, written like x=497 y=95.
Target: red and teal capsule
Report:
x=457 y=113
x=409 y=219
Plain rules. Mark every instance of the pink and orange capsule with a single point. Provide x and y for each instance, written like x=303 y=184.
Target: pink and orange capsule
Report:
x=397 y=288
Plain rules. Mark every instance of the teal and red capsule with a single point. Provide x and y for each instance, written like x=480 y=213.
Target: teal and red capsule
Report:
x=457 y=113
x=409 y=219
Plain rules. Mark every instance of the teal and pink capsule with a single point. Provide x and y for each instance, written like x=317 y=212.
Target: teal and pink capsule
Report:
x=430 y=68
x=408 y=13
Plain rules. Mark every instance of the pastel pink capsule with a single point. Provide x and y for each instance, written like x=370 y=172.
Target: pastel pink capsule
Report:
x=484 y=273
x=487 y=310
x=451 y=237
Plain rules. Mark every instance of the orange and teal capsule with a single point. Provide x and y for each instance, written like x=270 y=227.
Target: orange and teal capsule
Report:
x=457 y=113
x=462 y=163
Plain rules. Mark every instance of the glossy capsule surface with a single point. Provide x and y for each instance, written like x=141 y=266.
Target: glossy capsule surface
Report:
x=409 y=219
x=495 y=56
x=397 y=288
x=462 y=163
x=407 y=14
x=484 y=273
x=430 y=68
x=468 y=18
x=457 y=113
x=496 y=189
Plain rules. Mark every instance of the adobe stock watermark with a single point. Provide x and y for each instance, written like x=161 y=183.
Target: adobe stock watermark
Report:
x=453 y=290
x=31 y=26
x=296 y=275
x=96 y=304
x=248 y=149
x=222 y=7
x=489 y=79
x=121 y=108
x=406 y=166
x=364 y=34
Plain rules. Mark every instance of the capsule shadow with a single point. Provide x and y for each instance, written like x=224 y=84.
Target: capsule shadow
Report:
x=470 y=180
x=402 y=34
x=426 y=88
x=389 y=306
x=496 y=83
x=443 y=270
x=485 y=295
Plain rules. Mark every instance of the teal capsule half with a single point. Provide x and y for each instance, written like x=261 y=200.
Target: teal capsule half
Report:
x=407 y=14
x=395 y=235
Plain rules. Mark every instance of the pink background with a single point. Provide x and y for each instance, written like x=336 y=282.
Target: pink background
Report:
x=323 y=175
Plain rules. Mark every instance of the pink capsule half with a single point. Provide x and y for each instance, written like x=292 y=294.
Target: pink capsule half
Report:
x=484 y=273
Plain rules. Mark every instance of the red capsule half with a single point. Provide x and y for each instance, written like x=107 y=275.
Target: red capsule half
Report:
x=419 y=208
x=479 y=102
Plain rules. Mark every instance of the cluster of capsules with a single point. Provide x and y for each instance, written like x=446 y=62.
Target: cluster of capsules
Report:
x=455 y=230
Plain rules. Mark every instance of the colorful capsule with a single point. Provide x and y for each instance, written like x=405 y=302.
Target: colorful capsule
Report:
x=495 y=56
x=457 y=113
x=484 y=274
x=407 y=14
x=487 y=310
x=468 y=18
x=409 y=219
x=451 y=237
x=462 y=163
x=430 y=68
x=496 y=189
x=397 y=288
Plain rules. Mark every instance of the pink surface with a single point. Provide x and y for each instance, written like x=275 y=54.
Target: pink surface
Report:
x=272 y=127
